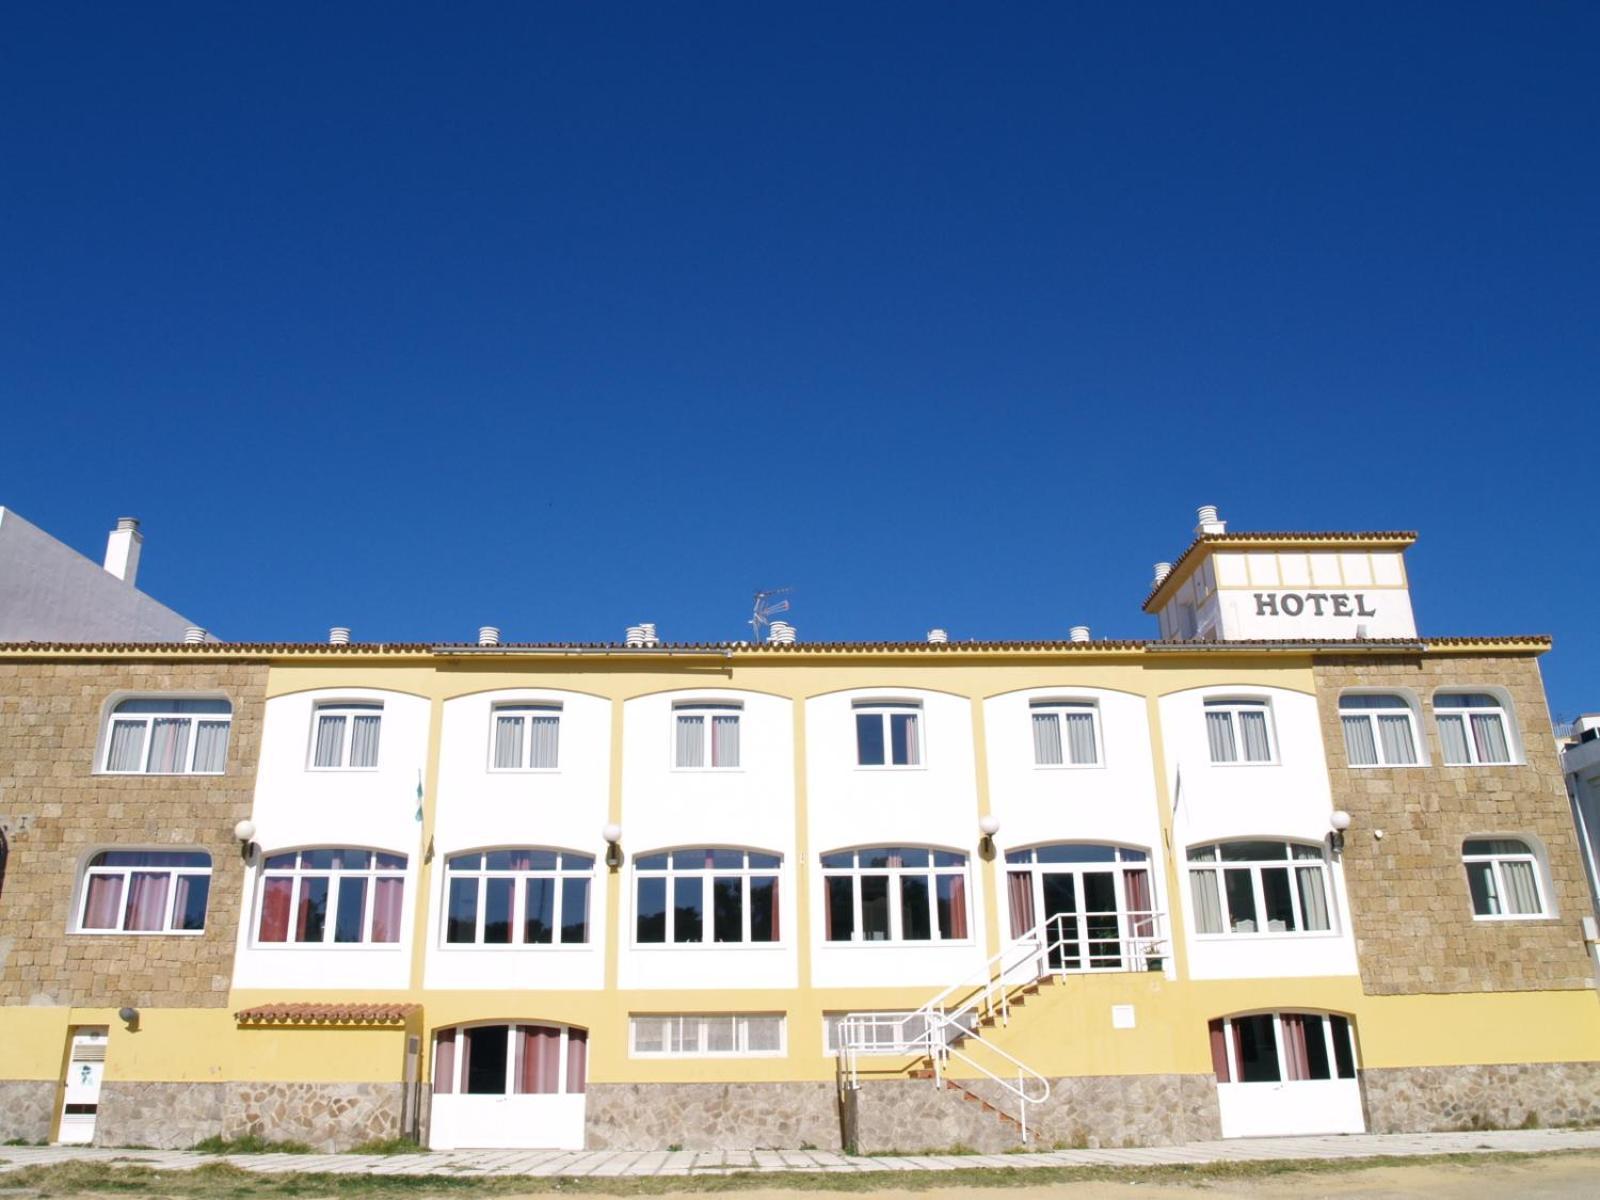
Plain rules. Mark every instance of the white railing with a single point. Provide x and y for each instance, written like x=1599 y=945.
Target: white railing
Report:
x=1133 y=940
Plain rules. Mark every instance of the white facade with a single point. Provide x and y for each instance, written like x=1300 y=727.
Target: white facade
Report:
x=1580 y=762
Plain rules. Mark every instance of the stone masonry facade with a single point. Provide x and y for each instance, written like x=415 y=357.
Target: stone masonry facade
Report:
x=1510 y=1096
x=712 y=1116
x=55 y=810
x=1411 y=911
x=329 y=1117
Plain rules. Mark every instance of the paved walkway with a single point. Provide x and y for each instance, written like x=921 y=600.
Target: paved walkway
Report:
x=478 y=1163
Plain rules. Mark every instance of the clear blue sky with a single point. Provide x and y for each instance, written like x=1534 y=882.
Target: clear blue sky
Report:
x=561 y=318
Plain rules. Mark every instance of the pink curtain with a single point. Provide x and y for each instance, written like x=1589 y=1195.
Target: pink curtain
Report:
x=1143 y=925
x=1295 y=1064
x=958 y=906
x=275 y=898
x=386 y=903
x=1019 y=884
x=147 y=901
x=538 y=1067
x=578 y=1057
x=1219 y=1052
x=777 y=891
x=444 y=1062
x=102 y=906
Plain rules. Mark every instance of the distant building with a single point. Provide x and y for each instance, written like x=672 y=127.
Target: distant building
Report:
x=1580 y=761
x=51 y=593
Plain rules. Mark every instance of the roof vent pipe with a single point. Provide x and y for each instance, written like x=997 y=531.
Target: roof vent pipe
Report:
x=1209 y=522
x=122 y=550
x=649 y=628
x=193 y=635
x=635 y=636
x=780 y=633
x=488 y=635
x=339 y=635
x=1162 y=571
x=938 y=637
x=1079 y=633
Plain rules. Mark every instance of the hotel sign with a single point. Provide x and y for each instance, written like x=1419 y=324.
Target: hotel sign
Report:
x=1294 y=604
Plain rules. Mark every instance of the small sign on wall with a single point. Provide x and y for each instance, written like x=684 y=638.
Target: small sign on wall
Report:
x=1122 y=1016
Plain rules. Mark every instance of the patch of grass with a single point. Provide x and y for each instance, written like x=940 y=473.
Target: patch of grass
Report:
x=250 y=1144
x=394 y=1145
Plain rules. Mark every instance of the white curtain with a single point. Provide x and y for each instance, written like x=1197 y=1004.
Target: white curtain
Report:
x=913 y=746
x=691 y=741
x=330 y=741
x=508 y=743
x=763 y=1035
x=211 y=746
x=1313 y=898
x=545 y=749
x=1522 y=887
x=364 y=741
x=1046 y=739
x=1453 y=734
x=725 y=741
x=1398 y=746
x=169 y=744
x=127 y=746
x=1255 y=736
x=1359 y=743
x=1219 y=731
x=1080 y=737
x=721 y=1035
x=1207 y=903
x=1489 y=734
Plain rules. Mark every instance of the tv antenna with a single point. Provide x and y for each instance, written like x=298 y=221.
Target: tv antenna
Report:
x=766 y=608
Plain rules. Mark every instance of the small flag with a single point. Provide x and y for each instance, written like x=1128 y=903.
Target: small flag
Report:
x=419 y=795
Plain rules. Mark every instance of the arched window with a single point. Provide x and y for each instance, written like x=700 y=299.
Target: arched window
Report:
x=161 y=735
x=1504 y=877
x=895 y=894
x=1287 y=1047
x=329 y=896
x=1378 y=731
x=145 y=891
x=676 y=891
x=523 y=897
x=1253 y=887
x=1090 y=903
x=510 y=1060
x=1472 y=728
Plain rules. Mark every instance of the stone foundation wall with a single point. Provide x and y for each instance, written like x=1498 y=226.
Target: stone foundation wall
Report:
x=174 y=1116
x=712 y=1116
x=27 y=1107
x=164 y=1116
x=1089 y=1111
x=1426 y=1099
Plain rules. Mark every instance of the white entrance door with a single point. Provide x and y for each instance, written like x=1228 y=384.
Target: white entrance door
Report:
x=509 y=1087
x=86 y=1066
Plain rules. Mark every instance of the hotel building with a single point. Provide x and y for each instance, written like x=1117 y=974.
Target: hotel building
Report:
x=1288 y=867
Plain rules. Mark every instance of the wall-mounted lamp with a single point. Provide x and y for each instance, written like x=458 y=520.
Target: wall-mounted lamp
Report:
x=129 y=1015
x=1338 y=822
x=988 y=826
x=613 y=836
x=245 y=831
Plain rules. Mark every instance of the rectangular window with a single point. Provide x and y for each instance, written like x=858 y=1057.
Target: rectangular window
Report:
x=527 y=737
x=345 y=737
x=707 y=735
x=888 y=735
x=1377 y=730
x=895 y=894
x=1504 y=878
x=1238 y=731
x=1064 y=734
x=709 y=1035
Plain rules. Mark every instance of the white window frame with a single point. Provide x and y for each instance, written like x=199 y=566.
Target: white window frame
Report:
x=1465 y=713
x=1234 y=706
x=708 y=875
x=741 y=1035
x=527 y=711
x=930 y=872
x=90 y=871
x=1277 y=1037
x=883 y=710
x=148 y=719
x=1216 y=867
x=520 y=877
x=1061 y=708
x=459 y=1067
x=347 y=710
x=1497 y=863
x=1371 y=716
x=706 y=712
x=330 y=924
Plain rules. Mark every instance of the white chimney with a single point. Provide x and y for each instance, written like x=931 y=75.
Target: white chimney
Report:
x=1162 y=571
x=122 y=550
x=488 y=635
x=1079 y=633
x=938 y=637
x=193 y=635
x=1209 y=521
x=339 y=635
x=635 y=636
x=781 y=633
x=649 y=632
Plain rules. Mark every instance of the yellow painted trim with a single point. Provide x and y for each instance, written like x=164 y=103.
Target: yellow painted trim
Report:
x=986 y=863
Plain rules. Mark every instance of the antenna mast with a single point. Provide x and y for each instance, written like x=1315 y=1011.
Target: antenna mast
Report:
x=765 y=608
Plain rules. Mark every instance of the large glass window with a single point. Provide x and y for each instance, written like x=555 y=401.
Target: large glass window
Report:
x=1504 y=877
x=888 y=734
x=1259 y=887
x=510 y=1060
x=725 y=896
x=345 y=736
x=145 y=891
x=1378 y=731
x=331 y=896
x=706 y=1035
x=895 y=894
x=527 y=737
x=157 y=735
x=524 y=897
x=1064 y=733
x=706 y=735
x=1472 y=728
x=1276 y=1048
x=1239 y=731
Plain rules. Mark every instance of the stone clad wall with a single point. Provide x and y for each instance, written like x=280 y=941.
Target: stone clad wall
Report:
x=27 y=1108
x=55 y=809
x=329 y=1117
x=1411 y=911
x=1514 y=1096
x=712 y=1116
